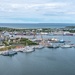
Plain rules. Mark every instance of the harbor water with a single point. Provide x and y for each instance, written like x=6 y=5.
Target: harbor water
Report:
x=44 y=61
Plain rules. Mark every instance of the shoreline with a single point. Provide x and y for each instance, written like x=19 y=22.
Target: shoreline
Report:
x=21 y=48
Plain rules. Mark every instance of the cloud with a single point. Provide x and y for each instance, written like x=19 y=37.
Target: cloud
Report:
x=36 y=10
x=25 y=6
x=71 y=13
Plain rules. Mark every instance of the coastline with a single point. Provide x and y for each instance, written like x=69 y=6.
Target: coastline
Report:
x=28 y=37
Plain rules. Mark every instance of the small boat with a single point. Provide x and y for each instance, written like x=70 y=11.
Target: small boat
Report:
x=9 y=53
x=72 y=45
x=19 y=49
x=52 y=46
x=53 y=40
x=56 y=46
x=49 y=46
x=61 y=41
x=28 y=49
x=66 y=46
x=39 y=47
x=5 y=53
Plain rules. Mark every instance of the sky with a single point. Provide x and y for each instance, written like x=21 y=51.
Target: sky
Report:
x=37 y=11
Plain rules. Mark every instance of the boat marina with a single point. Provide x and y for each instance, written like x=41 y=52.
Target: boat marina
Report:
x=37 y=52
x=29 y=40
x=28 y=49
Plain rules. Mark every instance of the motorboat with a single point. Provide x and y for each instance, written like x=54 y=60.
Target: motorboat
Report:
x=52 y=46
x=6 y=53
x=28 y=49
x=9 y=53
x=72 y=45
x=49 y=45
x=39 y=47
x=19 y=49
x=61 y=41
x=66 y=46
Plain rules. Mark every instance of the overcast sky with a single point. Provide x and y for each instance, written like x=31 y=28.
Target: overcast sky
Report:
x=34 y=11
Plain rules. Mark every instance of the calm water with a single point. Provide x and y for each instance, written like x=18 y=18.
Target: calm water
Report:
x=41 y=62
x=36 y=25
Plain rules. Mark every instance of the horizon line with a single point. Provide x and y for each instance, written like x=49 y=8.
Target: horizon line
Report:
x=35 y=23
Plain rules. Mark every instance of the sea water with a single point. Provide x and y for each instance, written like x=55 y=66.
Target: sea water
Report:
x=36 y=25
